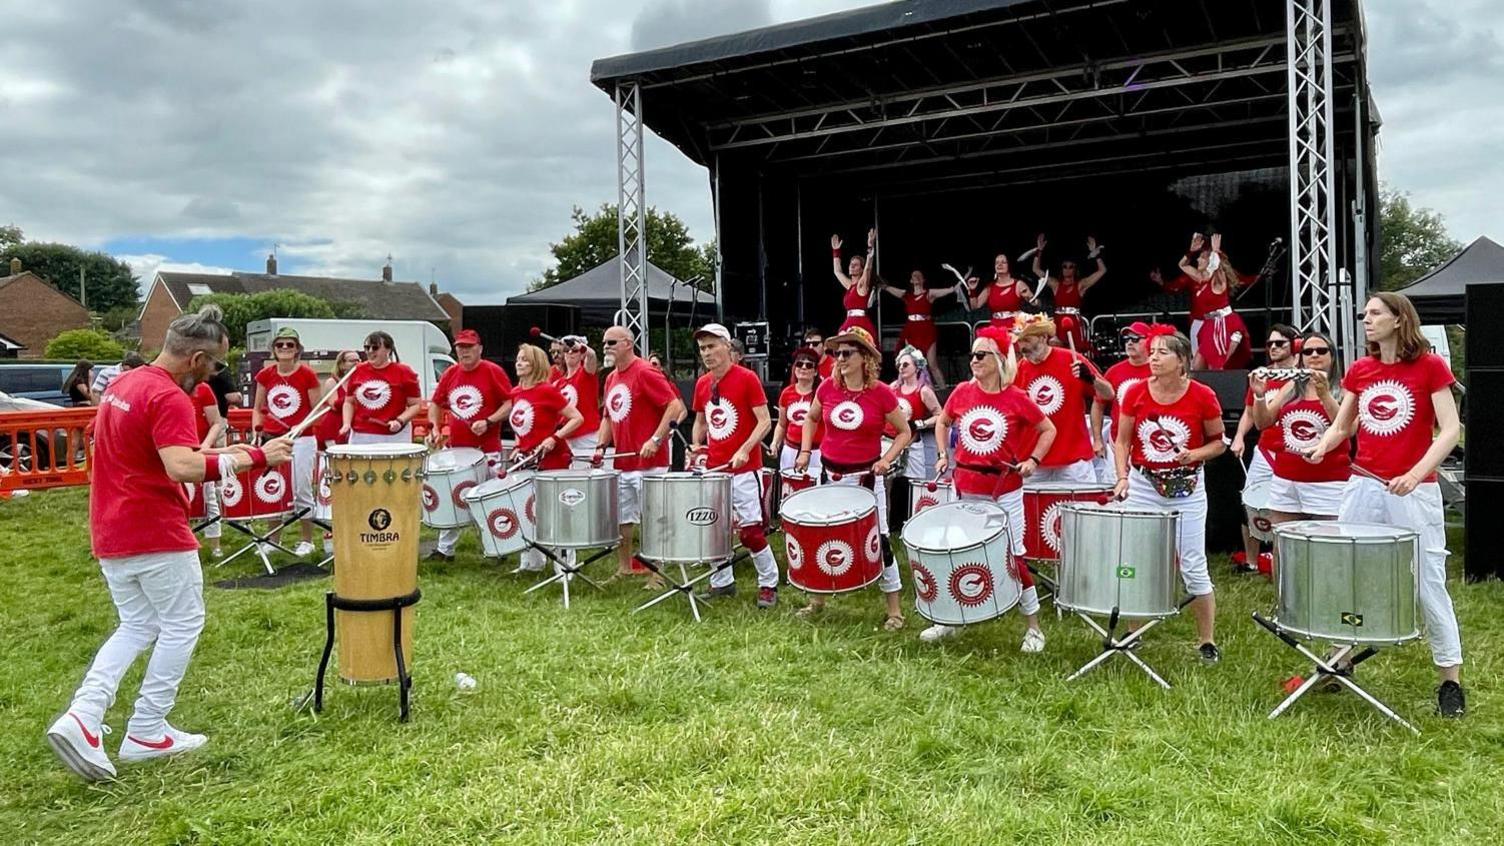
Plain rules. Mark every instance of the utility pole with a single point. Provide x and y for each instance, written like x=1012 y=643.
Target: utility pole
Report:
x=83 y=295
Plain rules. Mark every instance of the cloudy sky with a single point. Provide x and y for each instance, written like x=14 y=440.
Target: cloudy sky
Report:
x=457 y=135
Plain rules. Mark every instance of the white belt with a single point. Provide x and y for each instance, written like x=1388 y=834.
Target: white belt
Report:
x=856 y=312
x=919 y=318
x=1003 y=315
x=1219 y=313
x=1067 y=310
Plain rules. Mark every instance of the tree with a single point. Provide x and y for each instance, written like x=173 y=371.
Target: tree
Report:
x=241 y=309
x=10 y=235
x=84 y=343
x=1413 y=241
x=593 y=242
x=109 y=282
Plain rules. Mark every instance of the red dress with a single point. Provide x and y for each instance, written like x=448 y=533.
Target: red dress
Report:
x=1004 y=302
x=1223 y=337
x=1070 y=323
x=856 y=312
x=919 y=325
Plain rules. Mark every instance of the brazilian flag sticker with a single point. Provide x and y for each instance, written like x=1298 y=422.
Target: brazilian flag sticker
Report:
x=1126 y=572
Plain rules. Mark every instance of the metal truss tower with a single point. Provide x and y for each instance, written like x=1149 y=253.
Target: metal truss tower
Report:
x=631 y=213
x=1315 y=282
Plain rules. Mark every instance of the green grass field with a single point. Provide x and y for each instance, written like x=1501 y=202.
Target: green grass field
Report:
x=599 y=726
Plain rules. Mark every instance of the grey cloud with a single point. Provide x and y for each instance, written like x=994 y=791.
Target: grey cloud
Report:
x=666 y=22
x=215 y=209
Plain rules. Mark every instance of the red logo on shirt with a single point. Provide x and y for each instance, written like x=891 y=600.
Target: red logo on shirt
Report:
x=283 y=401
x=465 y=401
x=1303 y=429
x=1048 y=394
x=971 y=584
x=798 y=411
x=619 y=403
x=522 y=418
x=374 y=394
x=1386 y=407
x=847 y=415
x=983 y=430
x=722 y=419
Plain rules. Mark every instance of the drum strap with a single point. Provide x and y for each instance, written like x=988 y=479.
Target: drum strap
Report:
x=982 y=468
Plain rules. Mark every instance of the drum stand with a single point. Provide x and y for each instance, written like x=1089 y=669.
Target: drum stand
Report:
x=686 y=585
x=1111 y=645
x=563 y=572
x=1326 y=669
x=257 y=540
x=394 y=605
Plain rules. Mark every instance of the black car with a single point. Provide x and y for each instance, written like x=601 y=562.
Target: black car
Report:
x=41 y=382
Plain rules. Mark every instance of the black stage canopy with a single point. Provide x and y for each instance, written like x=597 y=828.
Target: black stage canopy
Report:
x=1441 y=295
x=597 y=295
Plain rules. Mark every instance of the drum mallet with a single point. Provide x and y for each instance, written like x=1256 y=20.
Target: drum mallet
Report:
x=298 y=430
x=520 y=463
x=539 y=333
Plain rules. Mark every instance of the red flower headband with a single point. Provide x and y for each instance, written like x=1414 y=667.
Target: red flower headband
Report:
x=998 y=335
x=1157 y=330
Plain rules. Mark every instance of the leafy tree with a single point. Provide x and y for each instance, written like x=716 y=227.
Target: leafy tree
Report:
x=593 y=242
x=241 y=309
x=1413 y=241
x=109 y=282
x=84 y=343
x=118 y=318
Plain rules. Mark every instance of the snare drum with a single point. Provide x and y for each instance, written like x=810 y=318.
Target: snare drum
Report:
x=1347 y=582
x=833 y=543
x=257 y=494
x=1117 y=558
x=1256 y=502
x=448 y=474
x=578 y=509
x=794 y=482
x=1042 y=504
x=377 y=490
x=686 y=518
x=924 y=494
x=962 y=557
x=503 y=511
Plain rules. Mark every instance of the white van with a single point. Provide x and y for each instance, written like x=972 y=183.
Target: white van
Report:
x=420 y=344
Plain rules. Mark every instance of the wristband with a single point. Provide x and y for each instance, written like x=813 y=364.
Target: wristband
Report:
x=258 y=458
x=835 y=252
x=1035 y=460
x=213 y=471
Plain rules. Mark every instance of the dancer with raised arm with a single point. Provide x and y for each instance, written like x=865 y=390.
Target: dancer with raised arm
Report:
x=1068 y=289
x=857 y=280
x=1004 y=296
x=919 y=320
x=1222 y=336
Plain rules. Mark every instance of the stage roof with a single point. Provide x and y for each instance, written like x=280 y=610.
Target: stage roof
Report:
x=942 y=89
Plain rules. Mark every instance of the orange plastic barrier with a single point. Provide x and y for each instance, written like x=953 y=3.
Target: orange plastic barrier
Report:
x=44 y=449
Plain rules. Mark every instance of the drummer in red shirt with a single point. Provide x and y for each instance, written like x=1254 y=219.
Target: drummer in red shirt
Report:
x=580 y=382
x=146 y=447
x=1001 y=435
x=1302 y=411
x=793 y=413
x=731 y=420
x=815 y=340
x=1121 y=377
x=477 y=395
x=1168 y=427
x=286 y=392
x=382 y=398
x=211 y=429
x=640 y=406
x=1394 y=399
x=854 y=406
x=543 y=420
x=1061 y=383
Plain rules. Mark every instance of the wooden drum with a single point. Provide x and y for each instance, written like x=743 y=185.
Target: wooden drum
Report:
x=378 y=490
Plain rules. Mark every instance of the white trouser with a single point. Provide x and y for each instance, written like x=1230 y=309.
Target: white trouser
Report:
x=1190 y=541
x=746 y=504
x=1196 y=336
x=789 y=452
x=532 y=559
x=304 y=452
x=889 y=581
x=1318 y=499
x=211 y=510
x=1106 y=466
x=1013 y=503
x=581 y=446
x=159 y=598
x=1079 y=472
x=630 y=491
x=914 y=466
x=401 y=436
x=449 y=537
x=1366 y=500
x=1259 y=473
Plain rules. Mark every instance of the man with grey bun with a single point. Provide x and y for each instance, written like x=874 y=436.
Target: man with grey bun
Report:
x=146 y=448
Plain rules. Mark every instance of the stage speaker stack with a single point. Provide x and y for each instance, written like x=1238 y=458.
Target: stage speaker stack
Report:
x=1484 y=425
x=1224 y=479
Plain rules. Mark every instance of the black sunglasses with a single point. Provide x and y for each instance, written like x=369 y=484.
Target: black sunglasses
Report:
x=1277 y=343
x=979 y=356
x=1316 y=351
x=846 y=353
x=370 y=347
x=611 y=342
x=804 y=364
x=285 y=345
x=1132 y=339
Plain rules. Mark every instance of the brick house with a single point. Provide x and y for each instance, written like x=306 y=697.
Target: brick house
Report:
x=382 y=299
x=32 y=312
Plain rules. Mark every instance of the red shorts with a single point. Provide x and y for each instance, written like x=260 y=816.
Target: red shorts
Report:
x=860 y=322
x=919 y=334
x=1216 y=347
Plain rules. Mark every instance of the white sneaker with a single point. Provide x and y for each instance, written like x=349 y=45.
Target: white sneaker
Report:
x=79 y=744
x=938 y=632
x=303 y=549
x=172 y=742
x=1033 y=642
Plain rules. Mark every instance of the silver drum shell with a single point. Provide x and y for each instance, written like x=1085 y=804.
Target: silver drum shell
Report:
x=686 y=518
x=578 y=509
x=1118 y=558
x=1347 y=583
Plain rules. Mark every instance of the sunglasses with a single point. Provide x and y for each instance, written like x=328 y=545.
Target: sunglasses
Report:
x=1277 y=344
x=981 y=355
x=1132 y=339
x=285 y=345
x=846 y=353
x=611 y=342
x=372 y=347
x=804 y=364
x=1316 y=351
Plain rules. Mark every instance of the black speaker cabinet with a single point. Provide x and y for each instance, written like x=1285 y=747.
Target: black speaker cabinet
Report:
x=1484 y=311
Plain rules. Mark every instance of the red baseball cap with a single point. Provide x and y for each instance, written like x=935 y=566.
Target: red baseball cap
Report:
x=466 y=337
x=1137 y=327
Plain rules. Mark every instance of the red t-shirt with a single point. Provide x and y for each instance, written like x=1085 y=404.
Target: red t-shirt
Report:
x=1160 y=431
x=203 y=397
x=635 y=401
x=794 y=407
x=134 y=507
x=853 y=422
x=1004 y=296
x=327 y=429
x=1270 y=440
x=730 y=422
x=1396 y=420
x=1123 y=376
x=381 y=395
x=1301 y=423
x=583 y=391
x=286 y=397
x=912 y=405
x=471 y=395
x=536 y=414
x=1064 y=399
x=991 y=428
x=827 y=366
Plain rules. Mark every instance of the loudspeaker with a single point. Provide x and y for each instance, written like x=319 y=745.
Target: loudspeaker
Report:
x=1484 y=310
x=1231 y=387
x=502 y=328
x=1484 y=504
x=1485 y=426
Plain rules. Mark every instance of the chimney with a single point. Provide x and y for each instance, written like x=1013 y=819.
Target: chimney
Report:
x=433 y=290
x=15 y=266
x=271 y=264
x=386 y=269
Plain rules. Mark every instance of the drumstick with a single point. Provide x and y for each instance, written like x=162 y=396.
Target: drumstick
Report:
x=297 y=431
x=1228 y=442
x=1371 y=475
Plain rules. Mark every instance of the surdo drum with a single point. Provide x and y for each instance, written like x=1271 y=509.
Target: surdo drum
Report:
x=1256 y=502
x=255 y=494
x=1042 y=510
x=1116 y=559
x=449 y=473
x=925 y=494
x=686 y=518
x=503 y=510
x=793 y=482
x=833 y=543
x=961 y=555
x=1346 y=582
x=578 y=509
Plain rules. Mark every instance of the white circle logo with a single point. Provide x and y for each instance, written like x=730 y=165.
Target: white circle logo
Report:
x=522 y=417
x=798 y=411
x=1049 y=527
x=794 y=552
x=230 y=490
x=269 y=488
x=374 y=394
x=983 y=430
x=283 y=401
x=465 y=401
x=619 y=402
x=571 y=396
x=1048 y=394
x=834 y=558
x=874 y=545
x=1127 y=386
x=1385 y=407
x=721 y=418
x=1302 y=429
x=847 y=416
x=1163 y=438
